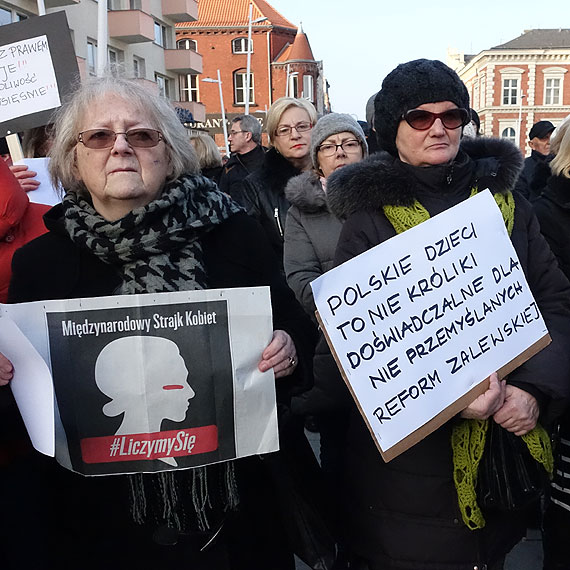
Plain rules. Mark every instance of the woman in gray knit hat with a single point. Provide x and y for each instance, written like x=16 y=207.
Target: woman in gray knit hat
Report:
x=311 y=234
x=311 y=231
x=408 y=514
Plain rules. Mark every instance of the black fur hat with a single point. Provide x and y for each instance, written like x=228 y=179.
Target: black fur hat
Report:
x=408 y=86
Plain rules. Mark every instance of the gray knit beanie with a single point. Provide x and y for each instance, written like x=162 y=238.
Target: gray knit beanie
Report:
x=407 y=87
x=332 y=124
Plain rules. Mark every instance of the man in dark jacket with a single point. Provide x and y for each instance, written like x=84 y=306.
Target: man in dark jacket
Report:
x=540 y=144
x=247 y=152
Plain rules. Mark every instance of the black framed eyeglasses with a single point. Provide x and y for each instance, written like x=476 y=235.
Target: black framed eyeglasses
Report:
x=232 y=133
x=422 y=120
x=285 y=130
x=105 y=138
x=349 y=146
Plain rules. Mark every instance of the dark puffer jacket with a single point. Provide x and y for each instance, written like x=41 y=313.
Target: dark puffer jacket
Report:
x=311 y=235
x=553 y=212
x=238 y=167
x=262 y=194
x=526 y=184
x=404 y=514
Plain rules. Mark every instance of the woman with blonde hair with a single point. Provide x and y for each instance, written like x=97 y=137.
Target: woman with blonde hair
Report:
x=289 y=124
x=208 y=155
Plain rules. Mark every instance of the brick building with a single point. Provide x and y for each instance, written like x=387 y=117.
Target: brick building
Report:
x=282 y=62
x=141 y=38
x=516 y=84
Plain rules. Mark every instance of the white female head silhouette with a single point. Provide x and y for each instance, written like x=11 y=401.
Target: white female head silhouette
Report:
x=146 y=379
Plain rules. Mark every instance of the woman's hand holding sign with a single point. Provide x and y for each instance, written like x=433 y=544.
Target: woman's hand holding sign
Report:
x=6 y=370
x=489 y=402
x=512 y=408
x=519 y=413
x=280 y=355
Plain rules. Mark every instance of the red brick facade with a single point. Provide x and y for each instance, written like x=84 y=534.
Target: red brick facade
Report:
x=512 y=87
x=278 y=51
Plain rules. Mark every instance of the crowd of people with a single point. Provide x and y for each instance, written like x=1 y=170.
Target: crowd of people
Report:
x=147 y=210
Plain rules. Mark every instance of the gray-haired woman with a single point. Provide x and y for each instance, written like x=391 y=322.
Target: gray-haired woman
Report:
x=137 y=218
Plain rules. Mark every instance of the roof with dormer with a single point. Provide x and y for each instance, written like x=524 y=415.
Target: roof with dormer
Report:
x=539 y=39
x=235 y=14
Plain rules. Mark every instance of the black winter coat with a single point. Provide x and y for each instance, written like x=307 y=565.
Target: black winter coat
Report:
x=311 y=235
x=526 y=184
x=262 y=195
x=552 y=209
x=237 y=168
x=92 y=514
x=404 y=514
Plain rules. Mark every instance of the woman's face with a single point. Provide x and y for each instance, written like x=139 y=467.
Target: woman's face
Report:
x=436 y=145
x=341 y=156
x=122 y=177
x=295 y=145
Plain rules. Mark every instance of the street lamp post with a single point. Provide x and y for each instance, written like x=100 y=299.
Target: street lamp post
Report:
x=219 y=82
x=249 y=23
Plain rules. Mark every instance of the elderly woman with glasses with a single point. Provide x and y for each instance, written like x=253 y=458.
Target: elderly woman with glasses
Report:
x=408 y=514
x=288 y=125
x=137 y=217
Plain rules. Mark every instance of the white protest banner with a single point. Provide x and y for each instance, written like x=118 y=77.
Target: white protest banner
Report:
x=419 y=322
x=147 y=383
x=27 y=78
x=38 y=68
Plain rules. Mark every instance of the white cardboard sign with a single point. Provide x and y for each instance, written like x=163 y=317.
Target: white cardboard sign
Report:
x=420 y=321
x=27 y=78
x=144 y=383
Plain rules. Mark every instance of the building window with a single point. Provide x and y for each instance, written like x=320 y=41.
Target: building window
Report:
x=160 y=35
x=511 y=81
x=163 y=85
x=115 y=59
x=239 y=88
x=135 y=5
x=187 y=44
x=239 y=45
x=189 y=88
x=510 y=91
x=293 y=86
x=308 y=87
x=552 y=91
x=139 y=67
x=554 y=85
x=510 y=134
x=8 y=16
x=91 y=57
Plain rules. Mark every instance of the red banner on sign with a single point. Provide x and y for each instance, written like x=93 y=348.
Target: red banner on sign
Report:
x=147 y=446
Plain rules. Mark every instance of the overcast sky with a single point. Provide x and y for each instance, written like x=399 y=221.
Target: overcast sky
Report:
x=360 y=41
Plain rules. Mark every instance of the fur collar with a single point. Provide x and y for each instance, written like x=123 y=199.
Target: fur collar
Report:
x=306 y=192
x=380 y=180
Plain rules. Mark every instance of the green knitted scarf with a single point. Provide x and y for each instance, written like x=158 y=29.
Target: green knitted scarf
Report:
x=468 y=436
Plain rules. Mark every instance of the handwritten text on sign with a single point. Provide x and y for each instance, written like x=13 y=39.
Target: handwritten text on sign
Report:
x=419 y=320
x=27 y=78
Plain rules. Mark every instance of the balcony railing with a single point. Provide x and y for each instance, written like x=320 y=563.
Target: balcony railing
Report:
x=182 y=61
x=180 y=10
x=131 y=26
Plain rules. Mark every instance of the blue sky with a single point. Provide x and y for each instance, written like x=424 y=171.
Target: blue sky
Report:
x=360 y=41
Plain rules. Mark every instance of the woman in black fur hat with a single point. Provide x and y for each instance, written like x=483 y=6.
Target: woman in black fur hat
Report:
x=405 y=514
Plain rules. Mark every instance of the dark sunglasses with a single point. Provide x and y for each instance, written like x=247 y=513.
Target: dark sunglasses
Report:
x=105 y=138
x=422 y=120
